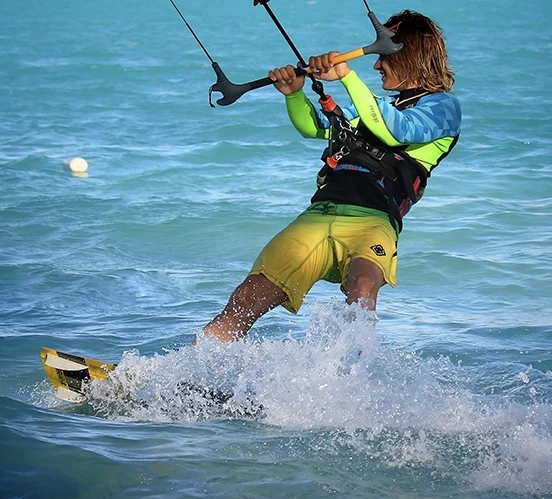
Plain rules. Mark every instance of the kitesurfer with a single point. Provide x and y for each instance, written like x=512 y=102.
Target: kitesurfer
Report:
x=379 y=155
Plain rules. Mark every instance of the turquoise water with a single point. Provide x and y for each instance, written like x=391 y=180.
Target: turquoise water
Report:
x=452 y=397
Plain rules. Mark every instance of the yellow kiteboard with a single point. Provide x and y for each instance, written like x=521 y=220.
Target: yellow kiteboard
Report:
x=68 y=372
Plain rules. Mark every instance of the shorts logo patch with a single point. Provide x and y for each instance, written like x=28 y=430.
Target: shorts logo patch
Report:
x=378 y=249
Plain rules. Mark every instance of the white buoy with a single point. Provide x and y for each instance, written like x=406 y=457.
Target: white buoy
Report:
x=78 y=165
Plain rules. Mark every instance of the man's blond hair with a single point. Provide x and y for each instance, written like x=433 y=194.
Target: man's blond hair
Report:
x=423 y=60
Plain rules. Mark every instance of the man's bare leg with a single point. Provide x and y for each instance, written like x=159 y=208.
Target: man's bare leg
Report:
x=253 y=298
x=364 y=280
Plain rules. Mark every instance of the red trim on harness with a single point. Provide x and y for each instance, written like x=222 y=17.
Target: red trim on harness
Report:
x=328 y=104
x=331 y=162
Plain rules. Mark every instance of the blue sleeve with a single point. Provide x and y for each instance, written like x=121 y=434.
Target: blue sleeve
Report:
x=435 y=116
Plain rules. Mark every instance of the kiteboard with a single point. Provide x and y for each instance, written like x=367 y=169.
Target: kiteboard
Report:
x=69 y=374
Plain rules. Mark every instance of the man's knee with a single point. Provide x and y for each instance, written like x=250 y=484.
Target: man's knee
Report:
x=256 y=294
x=365 y=285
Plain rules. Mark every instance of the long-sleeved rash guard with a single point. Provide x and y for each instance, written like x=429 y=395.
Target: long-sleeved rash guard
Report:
x=427 y=132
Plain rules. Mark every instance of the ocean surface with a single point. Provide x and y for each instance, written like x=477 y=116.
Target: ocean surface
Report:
x=451 y=396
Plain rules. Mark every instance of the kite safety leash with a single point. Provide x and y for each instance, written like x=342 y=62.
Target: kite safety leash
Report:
x=231 y=92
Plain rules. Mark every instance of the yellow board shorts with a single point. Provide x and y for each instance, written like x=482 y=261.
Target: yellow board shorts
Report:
x=320 y=244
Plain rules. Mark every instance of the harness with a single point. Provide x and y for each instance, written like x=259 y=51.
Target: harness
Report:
x=400 y=178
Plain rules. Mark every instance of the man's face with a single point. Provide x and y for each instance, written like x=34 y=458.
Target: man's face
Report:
x=390 y=80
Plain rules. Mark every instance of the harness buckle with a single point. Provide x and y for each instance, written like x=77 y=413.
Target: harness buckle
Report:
x=340 y=154
x=377 y=153
x=342 y=135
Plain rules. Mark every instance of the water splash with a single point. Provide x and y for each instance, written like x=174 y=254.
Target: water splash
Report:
x=341 y=383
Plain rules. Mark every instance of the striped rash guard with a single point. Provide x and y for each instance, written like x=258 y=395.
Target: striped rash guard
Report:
x=425 y=126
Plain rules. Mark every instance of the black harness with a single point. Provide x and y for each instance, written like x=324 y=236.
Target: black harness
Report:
x=399 y=177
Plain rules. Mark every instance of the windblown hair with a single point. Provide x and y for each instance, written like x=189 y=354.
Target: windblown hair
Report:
x=423 y=60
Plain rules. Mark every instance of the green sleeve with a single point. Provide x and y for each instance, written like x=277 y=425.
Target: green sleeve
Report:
x=367 y=107
x=303 y=116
